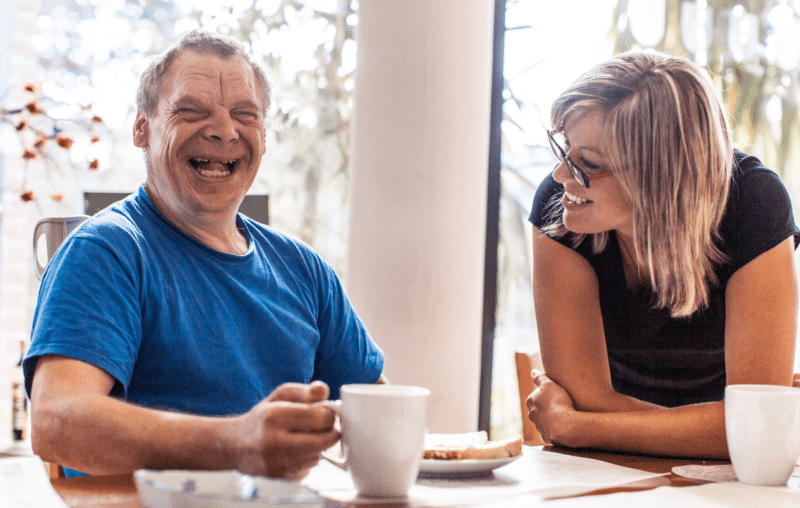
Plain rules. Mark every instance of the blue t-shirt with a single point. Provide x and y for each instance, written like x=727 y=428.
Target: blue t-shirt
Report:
x=183 y=327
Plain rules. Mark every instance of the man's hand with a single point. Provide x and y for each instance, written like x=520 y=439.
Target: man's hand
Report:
x=284 y=435
x=548 y=406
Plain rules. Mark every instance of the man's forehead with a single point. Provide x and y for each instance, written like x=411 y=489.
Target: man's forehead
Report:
x=193 y=65
x=194 y=73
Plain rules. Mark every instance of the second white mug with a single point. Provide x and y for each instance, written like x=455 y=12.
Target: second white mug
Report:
x=762 y=423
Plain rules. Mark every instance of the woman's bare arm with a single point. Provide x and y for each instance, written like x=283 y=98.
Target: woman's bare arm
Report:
x=761 y=325
x=571 y=336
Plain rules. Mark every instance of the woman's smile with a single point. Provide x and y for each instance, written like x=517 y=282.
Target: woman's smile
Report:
x=572 y=199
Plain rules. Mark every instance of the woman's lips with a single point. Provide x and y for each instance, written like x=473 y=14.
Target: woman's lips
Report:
x=573 y=199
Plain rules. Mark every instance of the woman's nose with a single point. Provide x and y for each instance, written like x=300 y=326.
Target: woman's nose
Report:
x=561 y=173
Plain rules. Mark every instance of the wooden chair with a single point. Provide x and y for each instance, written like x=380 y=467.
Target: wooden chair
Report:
x=54 y=470
x=525 y=363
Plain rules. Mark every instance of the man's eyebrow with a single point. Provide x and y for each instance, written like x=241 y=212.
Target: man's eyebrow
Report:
x=188 y=99
x=246 y=103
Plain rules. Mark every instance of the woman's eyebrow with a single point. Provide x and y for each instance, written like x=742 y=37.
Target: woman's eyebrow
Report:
x=593 y=150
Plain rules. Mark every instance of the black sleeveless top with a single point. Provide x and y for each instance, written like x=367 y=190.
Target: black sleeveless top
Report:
x=674 y=362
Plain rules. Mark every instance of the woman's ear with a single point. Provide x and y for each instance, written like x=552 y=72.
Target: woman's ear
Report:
x=141 y=130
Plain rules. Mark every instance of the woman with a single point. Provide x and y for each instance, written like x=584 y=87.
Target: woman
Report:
x=663 y=264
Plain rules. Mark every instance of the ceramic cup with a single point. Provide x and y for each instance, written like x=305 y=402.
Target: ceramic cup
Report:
x=54 y=230
x=762 y=423
x=383 y=433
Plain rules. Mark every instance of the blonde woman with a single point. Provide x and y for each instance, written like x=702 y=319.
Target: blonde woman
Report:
x=663 y=264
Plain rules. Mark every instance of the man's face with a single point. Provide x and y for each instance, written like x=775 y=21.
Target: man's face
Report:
x=205 y=140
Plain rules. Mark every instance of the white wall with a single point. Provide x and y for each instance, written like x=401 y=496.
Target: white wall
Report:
x=418 y=208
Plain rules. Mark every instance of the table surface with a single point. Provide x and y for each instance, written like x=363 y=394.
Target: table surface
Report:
x=119 y=491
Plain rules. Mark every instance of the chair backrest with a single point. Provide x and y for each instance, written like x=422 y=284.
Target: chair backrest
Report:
x=54 y=470
x=255 y=206
x=525 y=363
x=48 y=235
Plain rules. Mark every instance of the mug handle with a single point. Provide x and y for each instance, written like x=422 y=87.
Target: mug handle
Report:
x=341 y=463
x=37 y=232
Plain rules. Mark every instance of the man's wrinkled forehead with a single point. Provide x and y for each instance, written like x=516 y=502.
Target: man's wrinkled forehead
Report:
x=204 y=73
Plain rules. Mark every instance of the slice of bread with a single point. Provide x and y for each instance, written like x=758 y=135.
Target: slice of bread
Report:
x=469 y=445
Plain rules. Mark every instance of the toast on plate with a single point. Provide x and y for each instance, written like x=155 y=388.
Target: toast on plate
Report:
x=469 y=446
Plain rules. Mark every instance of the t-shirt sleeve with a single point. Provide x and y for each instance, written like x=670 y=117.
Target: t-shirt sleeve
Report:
x=761 y=216
x=87 y=309
x=547 y=193
x=543 y=213
x=347 y=353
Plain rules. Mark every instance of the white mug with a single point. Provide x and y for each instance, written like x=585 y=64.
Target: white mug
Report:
x=55 y=230
x=383 y=435
x=762 y=424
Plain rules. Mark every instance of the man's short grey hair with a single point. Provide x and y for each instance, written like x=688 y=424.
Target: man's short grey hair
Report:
x=203 y=43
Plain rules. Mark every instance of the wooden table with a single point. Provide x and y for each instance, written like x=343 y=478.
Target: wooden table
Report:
x=120 y=491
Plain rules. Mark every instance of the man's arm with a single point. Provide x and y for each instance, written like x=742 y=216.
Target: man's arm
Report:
x=77 y=424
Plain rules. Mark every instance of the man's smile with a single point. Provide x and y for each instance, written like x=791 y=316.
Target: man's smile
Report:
x=214 y=168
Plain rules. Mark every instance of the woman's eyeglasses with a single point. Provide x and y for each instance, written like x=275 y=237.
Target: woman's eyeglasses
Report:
x=577 y=173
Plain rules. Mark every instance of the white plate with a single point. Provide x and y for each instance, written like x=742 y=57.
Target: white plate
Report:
x=220 y=489
x=431 y=468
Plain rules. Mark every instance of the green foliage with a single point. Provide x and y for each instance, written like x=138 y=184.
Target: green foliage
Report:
x=762 y=98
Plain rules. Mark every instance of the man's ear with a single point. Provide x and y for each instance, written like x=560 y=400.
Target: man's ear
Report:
x=141 y=130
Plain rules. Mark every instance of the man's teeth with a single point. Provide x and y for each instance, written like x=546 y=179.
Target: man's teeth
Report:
x=213 y=169
x=575 y=199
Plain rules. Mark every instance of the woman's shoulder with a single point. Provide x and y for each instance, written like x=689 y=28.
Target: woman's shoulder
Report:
x=543 y=201
x=759 y=211
x=757 y=189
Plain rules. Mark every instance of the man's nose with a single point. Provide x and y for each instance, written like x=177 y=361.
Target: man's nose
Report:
x=222 y=128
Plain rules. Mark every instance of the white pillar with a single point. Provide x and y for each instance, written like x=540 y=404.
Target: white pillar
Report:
x=418 y=204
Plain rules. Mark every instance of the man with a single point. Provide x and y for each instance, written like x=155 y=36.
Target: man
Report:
x=173 y=333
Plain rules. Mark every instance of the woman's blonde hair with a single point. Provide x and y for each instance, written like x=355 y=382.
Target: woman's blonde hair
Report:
x=670 y=148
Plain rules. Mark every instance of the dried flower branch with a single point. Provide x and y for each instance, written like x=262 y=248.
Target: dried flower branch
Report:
x=36 y=128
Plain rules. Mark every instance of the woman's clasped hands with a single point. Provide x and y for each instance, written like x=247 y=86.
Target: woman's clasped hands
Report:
x=551 y=409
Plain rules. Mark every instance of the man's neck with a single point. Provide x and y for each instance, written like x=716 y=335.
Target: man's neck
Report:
x=215 y=230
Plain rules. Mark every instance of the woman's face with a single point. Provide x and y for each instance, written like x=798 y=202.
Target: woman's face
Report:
x=604 y=206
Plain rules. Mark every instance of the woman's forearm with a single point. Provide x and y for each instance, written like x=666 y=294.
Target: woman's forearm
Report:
x=689 y=431
x=606 y=401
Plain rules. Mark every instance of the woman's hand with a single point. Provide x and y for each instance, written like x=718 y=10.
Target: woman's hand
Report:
x=549 y=408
